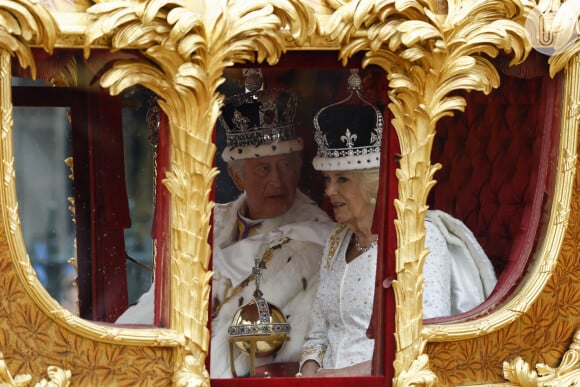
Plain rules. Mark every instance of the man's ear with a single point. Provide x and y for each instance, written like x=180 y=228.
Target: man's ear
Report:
x=238 y=180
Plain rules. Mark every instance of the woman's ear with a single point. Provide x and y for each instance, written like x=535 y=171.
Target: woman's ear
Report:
x=237 y=179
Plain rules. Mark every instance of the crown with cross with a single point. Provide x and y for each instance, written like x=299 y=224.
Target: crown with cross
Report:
x=349 y=132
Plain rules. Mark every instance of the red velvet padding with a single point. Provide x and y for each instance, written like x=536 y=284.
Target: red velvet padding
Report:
x=496 y=158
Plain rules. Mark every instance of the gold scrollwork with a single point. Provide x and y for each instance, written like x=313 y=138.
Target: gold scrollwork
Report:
x=427 y=56
x=25 y=23
x=57 y=377
x=187 y=51
x=428 y=49
x=6 y=378
x=567 y=374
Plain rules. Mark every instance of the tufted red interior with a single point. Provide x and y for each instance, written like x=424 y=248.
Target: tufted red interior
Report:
x=496 y=158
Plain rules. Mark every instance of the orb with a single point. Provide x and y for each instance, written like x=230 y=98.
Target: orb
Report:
x=260 y=322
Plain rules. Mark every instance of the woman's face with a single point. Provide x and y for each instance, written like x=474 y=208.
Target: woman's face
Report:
x=350 y=204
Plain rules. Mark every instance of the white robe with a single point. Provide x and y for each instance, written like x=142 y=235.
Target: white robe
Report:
x=472 y=277
x=289 y=281
x=314 y=227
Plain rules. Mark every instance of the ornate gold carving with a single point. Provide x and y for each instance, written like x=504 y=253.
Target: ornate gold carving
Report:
x=418 y=373
x=188 y=373
x=17 y=248
x=567 y=374
x=57 y=377
x=426 y=56
x=562 y=25
x=188 y=49
x=541 y=330
x=336 y=4
x=37 y=329
x=574 y=110
x=427 y=53
x=67 y=76
x=25 y=23
x=6 y=378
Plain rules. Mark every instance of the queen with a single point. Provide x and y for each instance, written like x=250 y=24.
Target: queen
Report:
x=349 y=135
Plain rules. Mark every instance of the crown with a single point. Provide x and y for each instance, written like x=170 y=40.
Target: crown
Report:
x=349 y=132
x=259 y=123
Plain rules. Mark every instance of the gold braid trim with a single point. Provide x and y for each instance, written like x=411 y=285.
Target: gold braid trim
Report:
x=334 y=241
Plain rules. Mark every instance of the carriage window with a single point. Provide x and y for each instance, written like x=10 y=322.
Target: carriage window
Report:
x=275 y=214
x=86 y=222
x=41 y=139
x=500 y=149
x=332 y=149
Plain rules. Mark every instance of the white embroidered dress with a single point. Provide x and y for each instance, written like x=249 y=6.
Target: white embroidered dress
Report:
x=343 y=306
x=458 y=276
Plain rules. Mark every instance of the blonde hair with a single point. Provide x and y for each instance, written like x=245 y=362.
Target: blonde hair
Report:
x=369 y=182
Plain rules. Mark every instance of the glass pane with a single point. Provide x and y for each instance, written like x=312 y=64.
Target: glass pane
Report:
x=41 y=144
x=43 y=140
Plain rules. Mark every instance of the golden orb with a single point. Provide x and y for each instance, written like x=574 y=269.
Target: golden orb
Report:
x=261 y=323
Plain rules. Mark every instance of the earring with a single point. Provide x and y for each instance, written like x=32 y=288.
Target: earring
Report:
x=373 y=200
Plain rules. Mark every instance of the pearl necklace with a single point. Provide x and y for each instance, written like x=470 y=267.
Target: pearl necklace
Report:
x=362 y=250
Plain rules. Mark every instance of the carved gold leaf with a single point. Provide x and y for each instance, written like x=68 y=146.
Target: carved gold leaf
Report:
x=57 y=377
x=538 y=322
x=186 y=47
x=24 y=23
x=567 y=374
x=6 y=378
x=561 y=288
x=566 y=22
x=24 y=270
x=427 y=56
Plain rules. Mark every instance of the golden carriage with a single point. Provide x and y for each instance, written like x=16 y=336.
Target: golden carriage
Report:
x=441 y=63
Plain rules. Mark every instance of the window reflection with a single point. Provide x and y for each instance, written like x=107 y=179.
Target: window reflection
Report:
x=46 y=189
x=250 y=172
x=41 y=143
x=269 y=230
x=450 y=288
x=139 y=173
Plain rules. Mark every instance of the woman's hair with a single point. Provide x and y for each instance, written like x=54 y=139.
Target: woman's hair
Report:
x=369 y=182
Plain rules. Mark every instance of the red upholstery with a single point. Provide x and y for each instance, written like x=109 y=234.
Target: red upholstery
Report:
x=496 y=157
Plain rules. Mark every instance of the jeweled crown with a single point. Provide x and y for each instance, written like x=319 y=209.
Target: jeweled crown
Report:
x=259 y=123
x=349 y=132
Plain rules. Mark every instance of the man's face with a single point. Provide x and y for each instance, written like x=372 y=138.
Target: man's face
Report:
x=270 y=183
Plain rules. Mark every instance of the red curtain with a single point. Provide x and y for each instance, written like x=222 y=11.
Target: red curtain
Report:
x=109 y=206
x=161 y=231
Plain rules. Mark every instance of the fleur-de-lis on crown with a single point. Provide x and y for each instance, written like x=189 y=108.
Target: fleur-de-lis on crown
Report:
x=348 y=138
